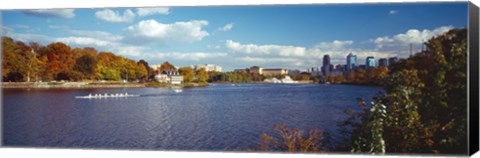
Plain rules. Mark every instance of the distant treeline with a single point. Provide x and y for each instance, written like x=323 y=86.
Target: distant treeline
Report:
x=23 y=62
x=371 y=76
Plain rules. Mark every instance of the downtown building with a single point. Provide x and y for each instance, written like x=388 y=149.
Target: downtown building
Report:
x=383 y=62
x=351 y=62
x=327 y=67
x=370 y=62
x=392 y=60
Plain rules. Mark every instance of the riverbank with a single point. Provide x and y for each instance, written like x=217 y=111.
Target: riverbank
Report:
x=108 y=84
x=70 y=85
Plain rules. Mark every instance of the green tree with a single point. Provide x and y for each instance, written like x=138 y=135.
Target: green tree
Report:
x=141 y=72
x=85 y=65
x=202 y=75
x=425 y=99
x=187 y=74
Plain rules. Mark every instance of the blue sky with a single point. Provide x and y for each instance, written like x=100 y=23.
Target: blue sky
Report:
x=282 y=36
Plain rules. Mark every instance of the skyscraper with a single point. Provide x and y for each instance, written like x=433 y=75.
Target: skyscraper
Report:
x=383 y=62
x=370 y=62
x=351 y=61
x=326 y=65
x=392 y=60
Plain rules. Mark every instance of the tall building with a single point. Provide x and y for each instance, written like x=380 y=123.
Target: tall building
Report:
x=326 y=66
x=208 y=67
x=392 y=60
x=383 y=62
x=370 y=62
x=351 y=61
x=340 y=67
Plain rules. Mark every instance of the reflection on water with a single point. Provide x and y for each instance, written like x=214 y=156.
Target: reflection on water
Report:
x=217 y=117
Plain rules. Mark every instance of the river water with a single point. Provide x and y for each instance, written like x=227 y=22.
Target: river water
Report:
x=215 y=118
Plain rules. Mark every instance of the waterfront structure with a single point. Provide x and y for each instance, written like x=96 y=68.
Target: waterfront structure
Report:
x=274 y=72
x=255 y=69
x=370 y=62
x=169 y=76
x=272 y=80
x=208 y=67
x=351 y=61
x=287 y=79
x=392 y=60
x=383 y=62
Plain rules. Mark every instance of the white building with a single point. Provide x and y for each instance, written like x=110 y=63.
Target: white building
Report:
x=208 y=67
x=169 y=76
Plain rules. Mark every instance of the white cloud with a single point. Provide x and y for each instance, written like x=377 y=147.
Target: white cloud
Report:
x=193 y=56
x=6 y=30
x=152 y=11
x=265 y=59
x=130 y=51
x=148 y=31
x=27 y=37
x=83 y=41
x=58 y=26
x=227 y=27
x=335 y=45
x=213 y=46
x=52 y=13
x=109 y=15
x=393 y=12
x=97 y=34
x=400 y=43
x=265 y=49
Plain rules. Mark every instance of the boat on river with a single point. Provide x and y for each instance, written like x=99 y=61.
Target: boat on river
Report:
x=98 y=96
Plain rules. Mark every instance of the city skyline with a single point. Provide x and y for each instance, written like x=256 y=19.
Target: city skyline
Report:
x=294 y=37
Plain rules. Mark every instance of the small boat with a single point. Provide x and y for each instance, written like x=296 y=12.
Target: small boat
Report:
x=177 y=90
x=98 y=96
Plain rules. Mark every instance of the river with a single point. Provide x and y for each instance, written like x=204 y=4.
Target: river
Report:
x=219 y=117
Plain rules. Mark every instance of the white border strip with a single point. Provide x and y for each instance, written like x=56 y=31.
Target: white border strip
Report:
x=45 y=4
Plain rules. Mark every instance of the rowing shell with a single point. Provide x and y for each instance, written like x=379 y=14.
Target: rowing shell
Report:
x=109 y=96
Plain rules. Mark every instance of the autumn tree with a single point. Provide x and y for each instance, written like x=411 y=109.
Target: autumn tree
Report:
x=187 y=73
x=425 y=102
x=86 y=65
x=141 y=71
x=166 y=66
x=150 y=73
x=60 y=60
x=202 y=75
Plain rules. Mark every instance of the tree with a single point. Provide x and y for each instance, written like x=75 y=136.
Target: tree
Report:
x=60 y=58
x=339 y=79
x=202 y=75
x=166 y=66
x=85 y=65
x=425 y=100
x=141 y=72
x=8 y=57
x=187 y=74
